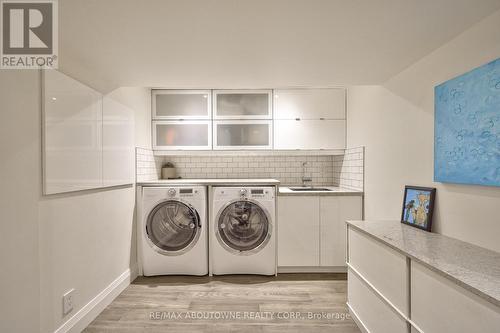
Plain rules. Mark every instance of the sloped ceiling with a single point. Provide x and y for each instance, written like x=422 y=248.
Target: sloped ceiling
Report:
x=254 y=43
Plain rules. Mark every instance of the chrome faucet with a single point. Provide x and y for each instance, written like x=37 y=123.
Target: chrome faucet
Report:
x=304 y=178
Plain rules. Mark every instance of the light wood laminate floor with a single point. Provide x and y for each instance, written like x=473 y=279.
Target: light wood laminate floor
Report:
x=197 y=304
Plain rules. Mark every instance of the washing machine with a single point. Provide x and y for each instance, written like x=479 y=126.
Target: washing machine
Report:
x=243 y=235
x=173 y=231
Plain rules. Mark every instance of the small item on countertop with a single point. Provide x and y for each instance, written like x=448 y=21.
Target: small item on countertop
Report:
x=168 y=171
x=418 y=207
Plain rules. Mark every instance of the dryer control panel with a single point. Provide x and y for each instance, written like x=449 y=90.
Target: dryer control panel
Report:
x=260 y=193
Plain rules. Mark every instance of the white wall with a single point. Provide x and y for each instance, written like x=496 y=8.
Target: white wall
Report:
x=50 y=244
x=20 y=180
x=86 y=242
x=395 y=121
x=87 y=239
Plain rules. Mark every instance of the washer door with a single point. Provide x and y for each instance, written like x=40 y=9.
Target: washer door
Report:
x=243 y=227
x=173 y=227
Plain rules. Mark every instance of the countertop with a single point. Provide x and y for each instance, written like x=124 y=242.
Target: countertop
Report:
x=338 y=191
x=474 y=268
x=283 y=190
x=210 y=182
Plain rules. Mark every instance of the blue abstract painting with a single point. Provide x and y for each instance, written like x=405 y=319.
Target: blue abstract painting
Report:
x=467 y=128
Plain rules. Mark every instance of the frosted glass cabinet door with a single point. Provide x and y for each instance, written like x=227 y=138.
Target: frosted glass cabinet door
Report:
x=309 y=134
x=188 y=135
x=234 y=134
x=118 y=140
x=318 y=103
x=72 y=134
x=181 y=104
x=242 y=104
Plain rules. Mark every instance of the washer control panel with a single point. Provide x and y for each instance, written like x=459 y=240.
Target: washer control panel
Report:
x=175 y=192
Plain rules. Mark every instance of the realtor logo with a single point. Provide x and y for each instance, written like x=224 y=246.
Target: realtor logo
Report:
x=29 y=34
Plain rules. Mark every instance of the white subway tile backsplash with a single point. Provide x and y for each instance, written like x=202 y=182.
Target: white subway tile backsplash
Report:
x=148 y=166
x=288 y=169
x=340 y=170
x=349 y=169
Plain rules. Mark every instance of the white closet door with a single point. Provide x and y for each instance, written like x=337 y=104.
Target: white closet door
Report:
x=181 y=104
x=328 y=103
x=72 y=134
x=309 y=134
x=118 y=139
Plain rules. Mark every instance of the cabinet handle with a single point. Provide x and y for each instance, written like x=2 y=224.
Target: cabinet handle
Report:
x=297 y=119
x=321 y=118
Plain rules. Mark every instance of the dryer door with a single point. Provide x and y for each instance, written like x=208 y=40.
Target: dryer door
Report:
x=173 y=227
x=243 y=227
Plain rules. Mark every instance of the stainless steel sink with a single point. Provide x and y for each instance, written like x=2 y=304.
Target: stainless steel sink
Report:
x=310 y=189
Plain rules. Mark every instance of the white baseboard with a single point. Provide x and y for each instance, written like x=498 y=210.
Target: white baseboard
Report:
x=80 y=320
x=312 y=269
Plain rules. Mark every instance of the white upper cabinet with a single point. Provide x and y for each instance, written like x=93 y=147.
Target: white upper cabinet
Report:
x=327 y=103
x=72 y=134
x=309 y=134
x=182 y=135
x=243 y=134
x=310 y=118
x=242 y=104
x=181 y=104
x=288 y=119
x=182 y=119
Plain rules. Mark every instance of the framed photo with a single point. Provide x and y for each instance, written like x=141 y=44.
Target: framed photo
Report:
x=418 y=207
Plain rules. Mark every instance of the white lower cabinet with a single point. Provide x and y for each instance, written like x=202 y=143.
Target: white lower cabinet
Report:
x=298 y=231
x=333 y=212
x=311 y=229
x=384 y=267
x=375 y=315
x=438 y=305
x=389 y=291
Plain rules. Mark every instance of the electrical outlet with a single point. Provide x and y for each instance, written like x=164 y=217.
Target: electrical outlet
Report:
x=68 y=302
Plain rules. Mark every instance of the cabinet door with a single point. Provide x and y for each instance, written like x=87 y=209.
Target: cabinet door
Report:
x=438 y=305
x=298 y=231
x=334 y=211
x=181 y=104
x=243 y=134
x=309 y=134
x=117 y=143
x=242 y=104
x=188 y=135
x=328 y=103
x=72 y=134
x=331 y=232
x=375 y=315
